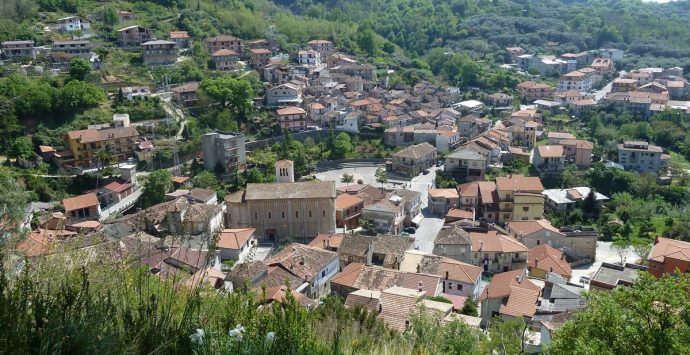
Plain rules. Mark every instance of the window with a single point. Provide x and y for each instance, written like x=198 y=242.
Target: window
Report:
x=324 y=213
x=538 y=241
x=269 y=215
x=525 y=209
x=450 y=285
x=283 y=214
x=309 y=214
x=256 y=215
x=459 y=287
x=296 y=214
x=323 y=273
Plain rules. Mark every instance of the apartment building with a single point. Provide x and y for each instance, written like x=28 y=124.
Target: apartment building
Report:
x=226 y=150
x=159 y=52
x=519 y=198
x=575 y=80
x=641 y=156
x=120 y=143
x=225 y=59
x=292 y=118
x=134 y=36
x=18 y=50
x=531 y=91
x=64 y=51
x=322 y=46
x=217 y=43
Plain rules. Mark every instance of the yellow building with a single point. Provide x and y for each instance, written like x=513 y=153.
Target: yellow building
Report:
x=120 y=143
x=519 y=198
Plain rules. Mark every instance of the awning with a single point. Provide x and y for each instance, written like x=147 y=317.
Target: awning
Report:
x=418 y=219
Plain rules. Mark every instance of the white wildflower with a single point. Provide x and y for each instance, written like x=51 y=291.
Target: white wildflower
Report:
x=236 y=333
x=197 y=337
x=270 y=336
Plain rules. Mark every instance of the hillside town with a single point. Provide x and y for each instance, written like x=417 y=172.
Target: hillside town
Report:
x=328 y=179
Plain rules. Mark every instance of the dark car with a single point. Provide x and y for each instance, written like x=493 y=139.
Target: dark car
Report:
x=439 y=163
x=410 y=230
x=426 y=171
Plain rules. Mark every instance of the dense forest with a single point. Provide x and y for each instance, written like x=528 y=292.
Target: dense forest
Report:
x=652 y=34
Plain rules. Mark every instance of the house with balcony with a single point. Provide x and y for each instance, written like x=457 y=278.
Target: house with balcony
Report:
x=641 y=156
x=64 y=51
x=224 y=149
x=185 y=94
x=578 y=152
x=225 y=59
x=217 y=43
x=310 y=57
x=134 y=36
x=158 y=52
x=575 y=80
x=83 y=207
x=348 y=209
x=287 y=94
x=519 y=198
x=466 y=165
x=18 y=50
x=73 y=23
x=549 y=159
x=412 y=160
x=508 y=296
x=181 y=38
x=492 y=251
x=388 y=216
x=259 y=57
x=293 y=119
x=120 y=142
x=531 y=91
x=322 y=46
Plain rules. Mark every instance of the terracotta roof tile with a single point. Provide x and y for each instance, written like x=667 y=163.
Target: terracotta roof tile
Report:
x=234 y=238
x=79 y=202
x=346 y=200
x=545 y=257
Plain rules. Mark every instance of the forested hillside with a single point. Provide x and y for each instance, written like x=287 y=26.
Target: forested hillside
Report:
x=653 y=34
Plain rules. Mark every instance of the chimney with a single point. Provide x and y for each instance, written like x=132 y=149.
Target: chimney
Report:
x=481 y=245
x=324 y=244
x=656 y=240
x=419 y=287
x=517 y=279
x=370 y=254
x=446 y=274
x=301 y=261
x=535 y=262
x=562 y=256
x=418 y=268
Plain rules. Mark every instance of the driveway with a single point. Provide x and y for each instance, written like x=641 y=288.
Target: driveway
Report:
x=430 y=225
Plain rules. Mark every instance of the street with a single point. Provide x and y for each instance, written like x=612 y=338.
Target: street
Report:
x=430 y=225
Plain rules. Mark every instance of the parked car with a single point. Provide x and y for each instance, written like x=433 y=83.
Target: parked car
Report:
x=410 y=230
x=439 y=163
x=404 y=234
x=426 y=171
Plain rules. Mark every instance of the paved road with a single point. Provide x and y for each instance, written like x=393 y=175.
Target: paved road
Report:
x=601 y=93
x=430 y=225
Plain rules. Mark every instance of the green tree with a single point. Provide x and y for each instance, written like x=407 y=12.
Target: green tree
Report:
x=233 y=94
x=109 y=16
x=347 y=178
x=206 y=180
x=650 y=317
x=103 y=158
x=590 y=205
x=381 y=176
x=342 y=146
x=22 y=148
x=507 y=336
x=366 y=223
x=79 y=68
x=470 y=307
x=77 y=95
x=158 y=183
x=255 y=175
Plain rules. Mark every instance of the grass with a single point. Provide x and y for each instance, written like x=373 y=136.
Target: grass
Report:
x=679 y=161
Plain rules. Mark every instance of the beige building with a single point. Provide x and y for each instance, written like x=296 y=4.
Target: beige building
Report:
x=293 y=119
x=279 y=211
x=641 y=156
x=530 y=91
x=576 y=243
x=217 y=43
x=519 y=198
x=509 y=295
x=158 y=52
x=490 y=250
x=225 y=59
x=412 y=160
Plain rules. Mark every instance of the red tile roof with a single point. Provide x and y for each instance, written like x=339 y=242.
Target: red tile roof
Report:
x=547 y=258
x=669 y=248
x=234 y=238
x=79 y=202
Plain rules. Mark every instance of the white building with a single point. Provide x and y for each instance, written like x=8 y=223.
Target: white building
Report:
x=575 y=80
x=73 y=23
x=568 y=199
x=310 y=57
